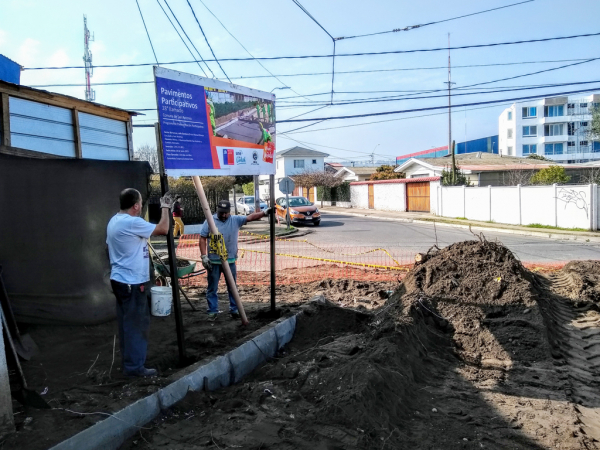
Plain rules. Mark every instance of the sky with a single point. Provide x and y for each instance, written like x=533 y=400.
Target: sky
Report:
x=42 y=33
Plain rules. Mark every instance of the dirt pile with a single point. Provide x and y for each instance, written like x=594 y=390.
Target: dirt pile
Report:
x=579 y=281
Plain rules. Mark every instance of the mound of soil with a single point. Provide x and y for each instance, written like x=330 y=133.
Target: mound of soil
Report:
x=579 y=280
x=458 y=357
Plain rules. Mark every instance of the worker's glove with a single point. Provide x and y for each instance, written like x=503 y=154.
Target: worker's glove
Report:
x=268 y=211
x=206 y=263
x=166 y=201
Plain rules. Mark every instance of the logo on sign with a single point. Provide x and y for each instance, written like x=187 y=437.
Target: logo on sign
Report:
x=239 y=157
x=228 y=157
x=254 y=158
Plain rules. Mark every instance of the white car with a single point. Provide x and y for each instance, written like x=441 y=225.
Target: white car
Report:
x=245 y=205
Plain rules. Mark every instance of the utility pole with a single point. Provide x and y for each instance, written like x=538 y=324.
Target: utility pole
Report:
x=90 y=94
x=450 y=83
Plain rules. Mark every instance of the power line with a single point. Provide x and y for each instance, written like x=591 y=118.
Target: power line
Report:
x=179 y=34
x=206 y=39
x=322 y=119
x=247 y=51
x=191 y=42
x=297 y=3
x=145 y=28
x=324 y=73
x=412 y=27
x=338 y=55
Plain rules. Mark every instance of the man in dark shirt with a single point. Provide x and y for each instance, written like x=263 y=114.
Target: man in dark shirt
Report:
x=177 y=217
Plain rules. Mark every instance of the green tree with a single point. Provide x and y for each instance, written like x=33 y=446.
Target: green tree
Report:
x=538 y=157
x=551 y=175
x=248 y=188
x=456 y=179
x=386 y=172
x=594 y=132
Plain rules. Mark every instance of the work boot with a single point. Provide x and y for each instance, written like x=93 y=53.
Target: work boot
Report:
x=141 y=372
x=235 y=314
x=212 y=317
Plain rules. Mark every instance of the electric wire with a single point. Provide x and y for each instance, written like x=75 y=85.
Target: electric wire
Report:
x=299 y=5
x=412 y=27
x=180 y=37
x=338 y=55
x=325 y=73
x=514 y=99
x=147 y=34
x=247 y=51
x=206 y=39
x=191 y=42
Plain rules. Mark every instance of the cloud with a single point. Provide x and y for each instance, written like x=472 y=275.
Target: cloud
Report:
x=58 y=58
x=28 y=51
x=3 y=37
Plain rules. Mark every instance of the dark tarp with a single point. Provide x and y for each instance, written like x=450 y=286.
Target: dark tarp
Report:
x=53 y=218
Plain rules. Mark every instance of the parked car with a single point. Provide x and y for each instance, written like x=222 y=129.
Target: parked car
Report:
x=301 y=210
x=245 y=205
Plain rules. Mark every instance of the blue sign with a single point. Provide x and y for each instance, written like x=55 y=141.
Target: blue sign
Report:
x=184 y=125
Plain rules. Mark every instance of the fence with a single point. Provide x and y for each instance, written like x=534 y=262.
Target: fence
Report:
x=556 y=206
x=192 y=210
x=300 y=261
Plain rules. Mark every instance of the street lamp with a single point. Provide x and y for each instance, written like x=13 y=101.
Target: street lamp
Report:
x=285 y=87
x=373 y=154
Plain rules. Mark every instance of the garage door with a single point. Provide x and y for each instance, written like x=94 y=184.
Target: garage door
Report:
x=417 y=196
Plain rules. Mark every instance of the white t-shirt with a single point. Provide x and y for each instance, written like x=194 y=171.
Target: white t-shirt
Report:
x=127 y=239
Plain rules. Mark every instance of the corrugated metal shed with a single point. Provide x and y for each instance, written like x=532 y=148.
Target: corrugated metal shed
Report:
x=103 y=138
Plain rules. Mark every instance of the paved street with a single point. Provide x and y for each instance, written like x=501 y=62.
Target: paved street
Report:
x=352 y=230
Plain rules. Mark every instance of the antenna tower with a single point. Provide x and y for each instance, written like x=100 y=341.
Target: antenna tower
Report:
x=90 y=94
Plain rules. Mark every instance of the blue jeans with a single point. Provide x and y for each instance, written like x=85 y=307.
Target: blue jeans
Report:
x=213 y=285
x=133 y=317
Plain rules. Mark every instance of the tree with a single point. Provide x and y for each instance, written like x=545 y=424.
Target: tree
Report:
x=248 y=188
x=538 y=157
x=386 y=172
x=148 y=153
x=515 y=177
x=306 y=179
x=454 y=177
x=590 y=176
x=551 y=175
x=326 y=179
x=594 y=132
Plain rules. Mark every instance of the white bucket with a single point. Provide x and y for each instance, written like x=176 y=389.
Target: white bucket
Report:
x=161 y=300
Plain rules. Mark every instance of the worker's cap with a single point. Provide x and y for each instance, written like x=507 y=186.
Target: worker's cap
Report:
x=224 y=206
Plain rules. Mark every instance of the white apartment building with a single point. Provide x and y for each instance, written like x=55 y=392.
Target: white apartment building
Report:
x=555 y=127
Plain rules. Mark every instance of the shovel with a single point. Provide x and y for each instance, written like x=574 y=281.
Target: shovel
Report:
x=24 y=344
x=24 y=395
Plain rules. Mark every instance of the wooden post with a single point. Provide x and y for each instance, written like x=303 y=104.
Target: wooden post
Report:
x=224 y=264
x=4 y=120
x=77 y=134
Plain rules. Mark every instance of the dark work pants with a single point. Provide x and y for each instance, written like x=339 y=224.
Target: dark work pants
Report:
x=133 y=317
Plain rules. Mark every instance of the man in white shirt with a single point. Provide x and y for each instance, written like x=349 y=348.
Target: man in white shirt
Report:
x=127 y=237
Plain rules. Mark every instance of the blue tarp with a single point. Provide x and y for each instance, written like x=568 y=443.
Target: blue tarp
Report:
x=9 y=70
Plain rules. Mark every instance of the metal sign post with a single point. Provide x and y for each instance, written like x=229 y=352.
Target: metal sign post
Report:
x=164 y=187
x=272 y=238
x=287 y=185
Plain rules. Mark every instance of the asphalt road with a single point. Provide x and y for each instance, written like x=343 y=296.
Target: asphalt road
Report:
x=353 y=230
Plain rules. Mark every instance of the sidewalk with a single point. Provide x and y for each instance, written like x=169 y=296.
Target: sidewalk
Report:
x=412 y=217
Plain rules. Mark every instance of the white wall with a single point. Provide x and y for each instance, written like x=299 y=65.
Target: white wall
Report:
x=562 y=206
x=337 y=204
x=433 y=196
x=389 y=196
x=359 y=196
x=417 y=169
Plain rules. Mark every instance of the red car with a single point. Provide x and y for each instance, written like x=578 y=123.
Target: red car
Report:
x=300 y=210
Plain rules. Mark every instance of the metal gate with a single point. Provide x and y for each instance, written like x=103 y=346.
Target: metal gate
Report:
x=417 y=197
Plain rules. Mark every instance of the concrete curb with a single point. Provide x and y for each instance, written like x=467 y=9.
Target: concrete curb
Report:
x=220 y=372
x=548 y=234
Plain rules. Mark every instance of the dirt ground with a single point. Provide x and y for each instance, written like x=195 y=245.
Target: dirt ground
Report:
x=471 y=351
x=84 y=381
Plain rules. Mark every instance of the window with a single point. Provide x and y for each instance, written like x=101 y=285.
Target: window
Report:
x=571 y=148
x=584 y=124
x=553 y=149
x=314 y=161
x=509 y=133
x=570 y=144
x=509 y=115
x=583 y=143
x=583 y=105
x=571 y=129
x=529 y=148
x=553 y=129
x=509 y=151
x=553 y=111
x=299 y=201
x=570 y=105
x=298 y=164
x=596 y=147
x=530 y=131
x=529 y=111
